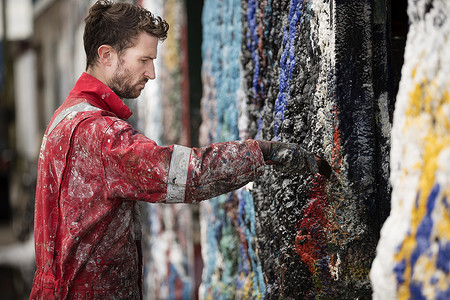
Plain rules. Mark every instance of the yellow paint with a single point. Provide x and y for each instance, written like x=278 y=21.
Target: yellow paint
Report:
x=172 y=47
x=425 y=106
x=248 y=287
x=209 y=296
x=413 y=73
x=426 y=274
x=415 y=102
x=443 y=282
x=443 y=227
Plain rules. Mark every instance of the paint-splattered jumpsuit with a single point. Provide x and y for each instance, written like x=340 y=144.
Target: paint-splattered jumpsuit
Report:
x=92 y=167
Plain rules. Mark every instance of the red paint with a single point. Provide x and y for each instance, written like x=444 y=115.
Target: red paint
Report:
x=311 y=242
x=336 y=152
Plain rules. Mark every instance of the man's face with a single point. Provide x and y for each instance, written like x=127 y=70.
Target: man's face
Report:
x=135 y=67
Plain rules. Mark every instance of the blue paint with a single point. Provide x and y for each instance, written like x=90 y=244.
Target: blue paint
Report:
x=422 y=241
x=443 y=257
x=423 y=236
x=443 y=295
x=267 y=16
x=399 y=271
x=287 y=63
x=252 y=44
x=425 y=228
x=212 y=236
x=221 y=48
x=173 y=290
x=416 y=291
x=445 y=203
x=432 y=199
x=434 y=280
x=308 y=15
x=247 y=219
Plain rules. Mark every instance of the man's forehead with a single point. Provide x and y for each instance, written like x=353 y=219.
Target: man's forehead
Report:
x=147 y=41
x=146 y=46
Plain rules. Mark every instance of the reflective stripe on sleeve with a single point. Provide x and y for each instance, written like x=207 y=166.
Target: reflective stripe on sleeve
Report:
x=179 y=164
x=83 y=106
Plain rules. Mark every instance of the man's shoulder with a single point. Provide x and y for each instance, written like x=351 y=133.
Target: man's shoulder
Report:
x=103 y=122
x=88 y=118
x=100 y=117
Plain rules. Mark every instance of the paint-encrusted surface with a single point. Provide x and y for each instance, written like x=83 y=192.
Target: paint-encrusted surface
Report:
x=306 y=76
x=232 y=268
x=313 y=235
x=413 y=254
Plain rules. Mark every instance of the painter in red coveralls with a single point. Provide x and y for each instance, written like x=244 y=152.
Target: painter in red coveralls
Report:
x=94 y=167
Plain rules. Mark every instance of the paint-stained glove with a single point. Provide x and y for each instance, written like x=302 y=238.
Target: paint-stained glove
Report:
x=291 y=158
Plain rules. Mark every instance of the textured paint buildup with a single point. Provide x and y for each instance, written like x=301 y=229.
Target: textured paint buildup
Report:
x=301 y=74
x=232 y=268
x=413 y=253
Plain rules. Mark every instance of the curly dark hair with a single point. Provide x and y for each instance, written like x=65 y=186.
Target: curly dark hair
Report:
x=118 y=25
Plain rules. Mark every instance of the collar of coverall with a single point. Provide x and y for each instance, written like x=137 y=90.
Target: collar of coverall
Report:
x=99 y=95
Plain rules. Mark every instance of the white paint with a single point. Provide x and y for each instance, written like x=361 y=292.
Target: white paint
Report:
x=323 y=37
x=243 y=119
x=334 y=269
x=386 y=127
x=427 y=53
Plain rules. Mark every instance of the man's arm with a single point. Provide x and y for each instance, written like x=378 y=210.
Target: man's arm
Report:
x=138 y=169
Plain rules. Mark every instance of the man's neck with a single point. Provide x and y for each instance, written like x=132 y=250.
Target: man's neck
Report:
x=94 y=73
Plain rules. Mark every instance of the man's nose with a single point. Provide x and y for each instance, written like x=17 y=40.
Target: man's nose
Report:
x=150 y=72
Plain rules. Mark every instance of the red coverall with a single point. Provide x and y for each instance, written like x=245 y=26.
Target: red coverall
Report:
x=92 y=166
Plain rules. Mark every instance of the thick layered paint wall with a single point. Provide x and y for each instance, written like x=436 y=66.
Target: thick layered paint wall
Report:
x=413 y=255
x=232 y=267
x=313 y=73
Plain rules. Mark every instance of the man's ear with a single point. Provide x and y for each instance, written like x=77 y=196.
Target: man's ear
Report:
x=106 y=55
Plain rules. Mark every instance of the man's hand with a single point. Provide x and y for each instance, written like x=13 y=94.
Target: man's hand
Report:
x=291 y=158
x=324 y=167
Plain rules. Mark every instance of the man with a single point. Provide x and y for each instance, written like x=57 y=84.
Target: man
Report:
x=93 y=166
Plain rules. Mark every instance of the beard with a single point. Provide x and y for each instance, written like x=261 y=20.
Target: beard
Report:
x=123 y=85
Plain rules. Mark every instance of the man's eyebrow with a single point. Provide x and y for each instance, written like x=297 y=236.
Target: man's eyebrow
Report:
x=148 y=57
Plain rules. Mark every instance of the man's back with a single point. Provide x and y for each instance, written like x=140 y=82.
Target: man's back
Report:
x=85 y=240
